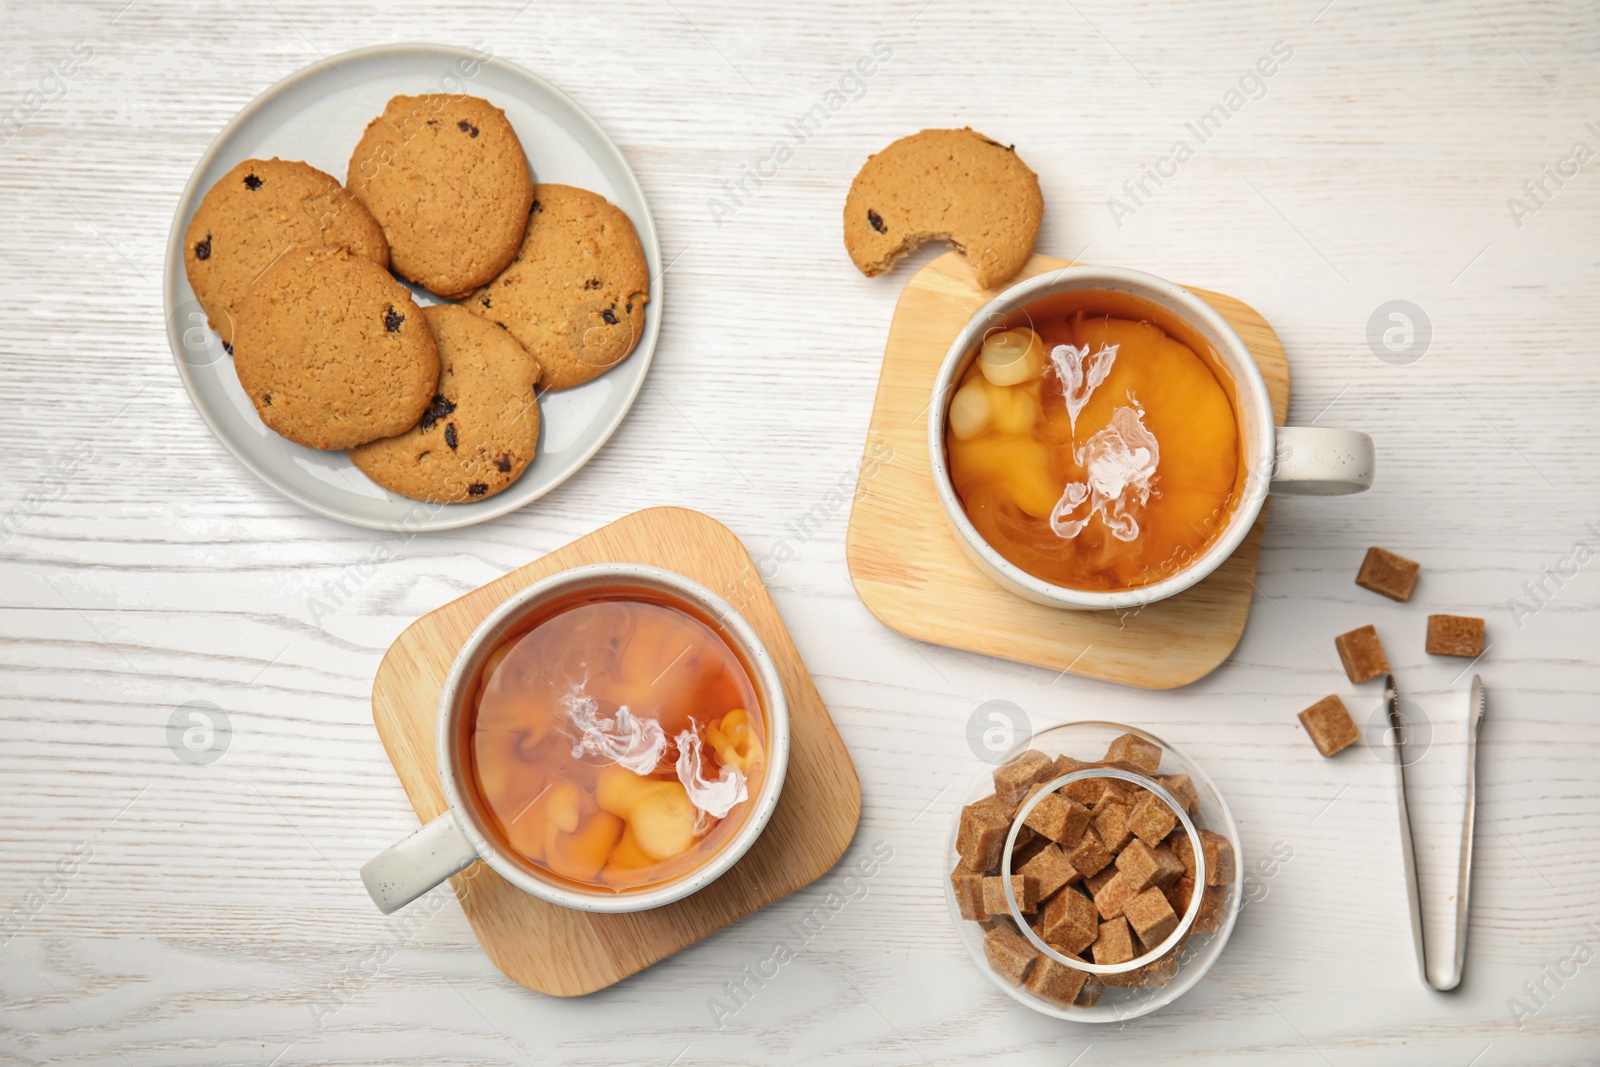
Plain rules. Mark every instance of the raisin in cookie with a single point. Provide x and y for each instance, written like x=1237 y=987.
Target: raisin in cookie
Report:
x=446 y=178
x=333 y=351
x=257 y=212
x=575 y=294
x=479 y=433
x=950 y=185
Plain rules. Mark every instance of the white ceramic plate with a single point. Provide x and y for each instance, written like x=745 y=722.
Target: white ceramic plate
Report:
x=317 y=115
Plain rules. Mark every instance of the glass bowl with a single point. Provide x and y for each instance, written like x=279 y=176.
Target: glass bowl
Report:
x=1088 y=741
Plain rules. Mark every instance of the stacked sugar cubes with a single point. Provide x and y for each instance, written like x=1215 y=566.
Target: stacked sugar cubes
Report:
x=1102 y=871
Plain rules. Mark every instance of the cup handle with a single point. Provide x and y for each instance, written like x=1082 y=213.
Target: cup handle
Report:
x=409 y=868
x=1313 y=461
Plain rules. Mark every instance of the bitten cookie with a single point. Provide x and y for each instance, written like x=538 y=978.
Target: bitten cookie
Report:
x=257 y=212
x=333 y=351
x=479 y=433
x=446 y=178
x=950 y=185
x=576 y=292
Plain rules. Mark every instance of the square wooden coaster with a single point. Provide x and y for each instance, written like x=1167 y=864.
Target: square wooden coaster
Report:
x=910 y=571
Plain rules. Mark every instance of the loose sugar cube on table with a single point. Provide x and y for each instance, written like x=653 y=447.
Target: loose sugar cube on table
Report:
x=1455 y=635
x=1384 y=572
x=1362 y=654
x=1329 y=723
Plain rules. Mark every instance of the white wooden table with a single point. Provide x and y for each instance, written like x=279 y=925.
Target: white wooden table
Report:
x=162 y=912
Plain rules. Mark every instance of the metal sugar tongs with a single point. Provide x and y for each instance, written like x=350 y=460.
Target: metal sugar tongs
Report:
x=1447 y=975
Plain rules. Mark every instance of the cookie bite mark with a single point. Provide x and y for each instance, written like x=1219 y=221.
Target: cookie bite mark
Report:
x=945 y=185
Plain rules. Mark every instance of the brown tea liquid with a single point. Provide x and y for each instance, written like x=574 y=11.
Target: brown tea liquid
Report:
x=582 y=727
x=1128 y=483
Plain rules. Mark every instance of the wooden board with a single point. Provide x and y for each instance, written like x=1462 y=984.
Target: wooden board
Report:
x=556 y=950
x=910 y=571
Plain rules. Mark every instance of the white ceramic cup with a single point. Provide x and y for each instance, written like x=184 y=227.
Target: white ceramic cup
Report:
x=1305 y=460
x=457 y=838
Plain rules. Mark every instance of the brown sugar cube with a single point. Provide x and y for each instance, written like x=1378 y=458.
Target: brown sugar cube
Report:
x=1025 y=852
x=1180 y=894
x=1213 y=902
x=1169 y=868
x=1091 y=993
x=998 y=920
x=1011 y=780
x=1113 y=943
x=1025 y=889
x=1218 y=853
x=1118 y=790
x=1455 y=635
x=1114 y=895
x=1151 y=917
x=1219 y=858
x=1094 y=883
x=1362 y=654
x=1329 y=723
x=1086 y=791
x=1050 y=870
x=1056 y=982
x=1384 y=572
x=981 y=837
x=1065 y=765
x=1136 y=752
x=968 y=886
x=1151 y=820
x=1061 y=820
x=1090 y=855
x=1182 y=787
x=1069 y=923
x=1138 y=865
x=1112 y=826
x=1009 y=955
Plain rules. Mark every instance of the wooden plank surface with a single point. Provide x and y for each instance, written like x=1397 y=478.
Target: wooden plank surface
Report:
x=220 y=919
x=551 y=949
x=911 y=572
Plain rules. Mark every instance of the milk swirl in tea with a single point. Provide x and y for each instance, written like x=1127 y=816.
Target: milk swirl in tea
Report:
x=616 y=741
x=1093 y=442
